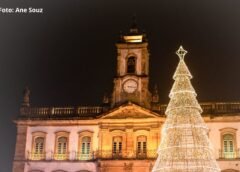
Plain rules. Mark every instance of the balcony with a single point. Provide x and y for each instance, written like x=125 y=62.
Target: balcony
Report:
x=85 y=156
x=36 y=156
x=101 y=154
x=229 y=155
x=105 y=154
x=59 y=156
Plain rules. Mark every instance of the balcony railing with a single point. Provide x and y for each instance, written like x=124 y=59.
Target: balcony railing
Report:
x=36 y=156
x=85 y=156
x=108 y=154
x=124 y=154
x=59 y=156
x=103 y=154
x=229 y=155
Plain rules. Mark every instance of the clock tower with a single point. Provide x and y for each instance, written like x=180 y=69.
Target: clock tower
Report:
x=132 y=79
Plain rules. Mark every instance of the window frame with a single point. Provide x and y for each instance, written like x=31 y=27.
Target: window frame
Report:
x=126 y=63
x=81 y=135
x=233 y=132
x=33 y=155
x=143 y=147
x=58 y=135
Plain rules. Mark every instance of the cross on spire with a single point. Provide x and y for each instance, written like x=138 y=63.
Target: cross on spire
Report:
x=181 y=53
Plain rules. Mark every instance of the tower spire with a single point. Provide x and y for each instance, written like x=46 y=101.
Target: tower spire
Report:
x=134 y=28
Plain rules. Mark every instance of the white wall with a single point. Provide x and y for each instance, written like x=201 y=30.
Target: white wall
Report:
x=66 y=166
x=215 y=134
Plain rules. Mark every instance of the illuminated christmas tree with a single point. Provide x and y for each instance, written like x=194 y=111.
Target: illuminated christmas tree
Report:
x=185 y=146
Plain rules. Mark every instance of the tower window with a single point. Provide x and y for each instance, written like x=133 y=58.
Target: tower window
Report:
x=131 y=64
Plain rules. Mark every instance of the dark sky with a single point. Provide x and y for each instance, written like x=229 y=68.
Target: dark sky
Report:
x=67 y=55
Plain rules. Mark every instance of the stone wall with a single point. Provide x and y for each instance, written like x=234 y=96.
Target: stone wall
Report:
x=20 y=149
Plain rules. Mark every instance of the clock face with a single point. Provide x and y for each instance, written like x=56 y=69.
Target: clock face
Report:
x=130 y=86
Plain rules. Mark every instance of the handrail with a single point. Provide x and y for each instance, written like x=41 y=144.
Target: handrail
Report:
x=60 y=110
x=214 y=107
x=92 y=155
x=235 y=154
x=208 y=108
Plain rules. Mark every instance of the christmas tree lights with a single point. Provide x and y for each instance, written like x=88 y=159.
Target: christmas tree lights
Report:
x=184 y=146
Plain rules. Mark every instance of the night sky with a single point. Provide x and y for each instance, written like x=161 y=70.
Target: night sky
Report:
x=67 y=55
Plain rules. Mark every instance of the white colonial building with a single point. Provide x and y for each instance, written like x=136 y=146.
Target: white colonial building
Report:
x=123 y=134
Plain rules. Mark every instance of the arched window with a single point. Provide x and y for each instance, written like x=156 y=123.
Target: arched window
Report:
x=86 y=144
x=228 y=146
x=141 y=146
x=131 y=64
x=117 y=146
x=38 y=145
x=85 y=151
x=228 y=143
x=62 y=145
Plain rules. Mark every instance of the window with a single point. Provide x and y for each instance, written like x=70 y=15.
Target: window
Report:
x=61 y=146
x=117 y=146
x=141 y=146
x=38 y=146
x=131 y=64
x=228 y=147
x=85 y=151
x=228 y=143
x=86 y=142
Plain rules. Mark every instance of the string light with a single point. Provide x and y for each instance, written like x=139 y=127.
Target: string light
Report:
x=185 y=146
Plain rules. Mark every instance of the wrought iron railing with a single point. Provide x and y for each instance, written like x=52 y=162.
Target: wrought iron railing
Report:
x=85 y=156
x=103 y=154
x=109 y=154
x=229 y=154
x=61 y=156
x=126 y=154
x=36 y=156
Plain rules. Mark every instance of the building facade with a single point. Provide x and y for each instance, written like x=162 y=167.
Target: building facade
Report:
x=123 y=134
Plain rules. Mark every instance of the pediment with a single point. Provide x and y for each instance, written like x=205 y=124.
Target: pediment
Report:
x=129 y=111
